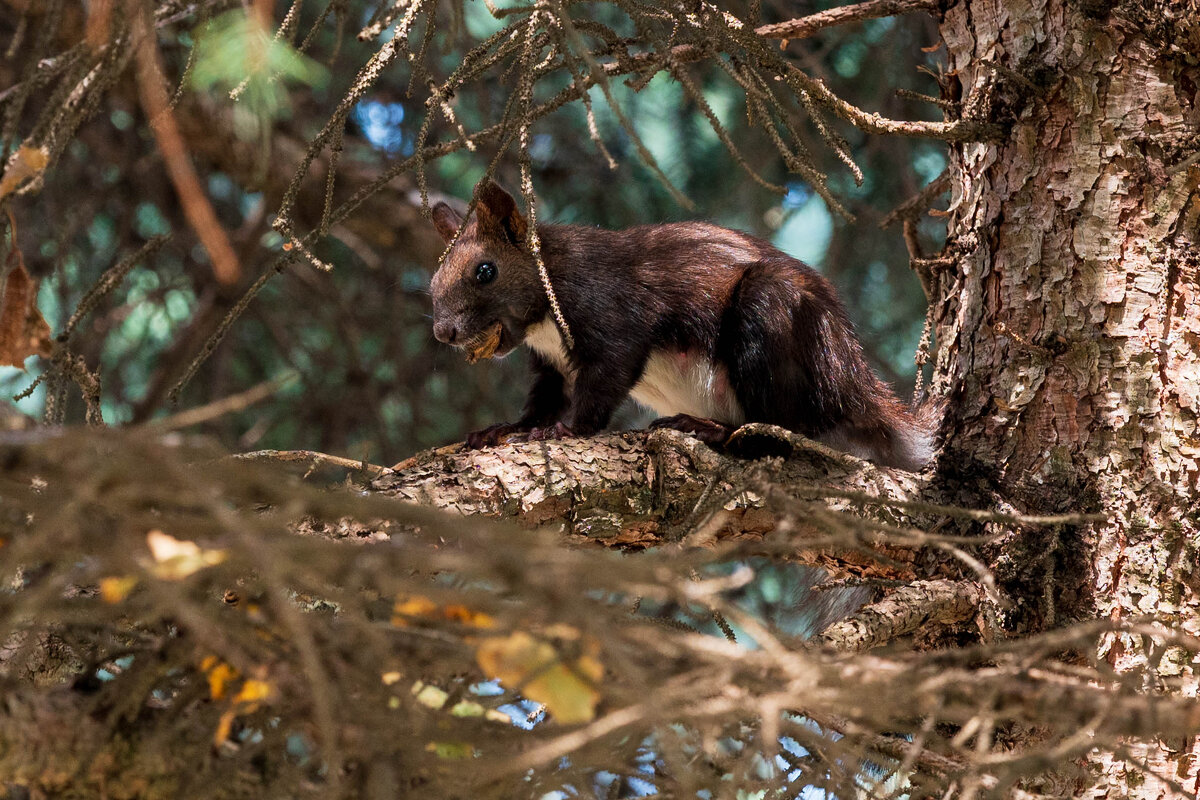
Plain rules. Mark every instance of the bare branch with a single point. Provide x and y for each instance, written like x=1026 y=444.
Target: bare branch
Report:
x=872 y=9
x=905 y=611
x=170 y=142
x=918 y=204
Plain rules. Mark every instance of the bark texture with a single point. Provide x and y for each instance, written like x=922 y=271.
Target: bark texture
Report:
x=907 y=610
x=640 y=489
x=1069 y=329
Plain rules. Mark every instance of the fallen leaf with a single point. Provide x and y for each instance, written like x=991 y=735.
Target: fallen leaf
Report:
x=252 y=694
x=176 y=559
x=23 y=330
x=467 y=708
x=224 y=727
x=534 y=667
x=26 y=163
x=114 y=590
x=467 y=616
x=413 y=606
x=430 y=696
x=219 y=674
x=407 y=607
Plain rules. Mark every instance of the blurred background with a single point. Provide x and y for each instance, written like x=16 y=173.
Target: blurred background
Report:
x=360 y=373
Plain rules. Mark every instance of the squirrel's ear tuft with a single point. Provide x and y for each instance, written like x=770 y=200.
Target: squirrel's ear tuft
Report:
x=498 y=214
x=447 y=221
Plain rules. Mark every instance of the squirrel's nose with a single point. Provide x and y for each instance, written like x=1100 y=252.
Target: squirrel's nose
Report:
x=445 y=332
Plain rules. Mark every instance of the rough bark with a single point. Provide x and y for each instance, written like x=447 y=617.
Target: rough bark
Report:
x=1069 y=328
x=639 y=489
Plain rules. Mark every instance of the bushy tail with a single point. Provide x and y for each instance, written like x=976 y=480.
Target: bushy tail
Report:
x=914 y=444
x=892 y=435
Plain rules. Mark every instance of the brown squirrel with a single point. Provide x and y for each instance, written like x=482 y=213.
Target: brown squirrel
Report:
x=707 y=326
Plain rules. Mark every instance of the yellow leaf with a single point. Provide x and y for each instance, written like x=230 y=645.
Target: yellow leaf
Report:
x=414 y=606
x=536 y=669
x=476 y=619
x=114 y=590
x=26 y=163
x=253 y=692
x=220 y=675
x=467 y=708
x=417 y=605
x=176 y=559
x=430 y=696
x=223 y=727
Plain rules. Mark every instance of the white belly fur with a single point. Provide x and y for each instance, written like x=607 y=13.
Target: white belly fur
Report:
x=678 y=383
x=547 y=341
x=671 y=383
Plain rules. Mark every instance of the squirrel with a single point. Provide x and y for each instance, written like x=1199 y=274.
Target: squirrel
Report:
x=709 y=327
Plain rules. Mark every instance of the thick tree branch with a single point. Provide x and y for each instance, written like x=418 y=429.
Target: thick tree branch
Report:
x=642 y=489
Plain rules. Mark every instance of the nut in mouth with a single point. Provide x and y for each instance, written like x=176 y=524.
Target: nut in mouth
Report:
x=484 y=344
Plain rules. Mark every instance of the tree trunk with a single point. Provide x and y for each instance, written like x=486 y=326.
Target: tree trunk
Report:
x=1068 y=328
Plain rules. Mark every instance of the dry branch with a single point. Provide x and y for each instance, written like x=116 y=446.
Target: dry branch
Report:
x=170 y=142
x=804 y=27
x=842 y=15
x=905 y=611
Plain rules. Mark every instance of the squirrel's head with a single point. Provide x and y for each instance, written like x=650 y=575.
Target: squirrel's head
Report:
x=487 y=285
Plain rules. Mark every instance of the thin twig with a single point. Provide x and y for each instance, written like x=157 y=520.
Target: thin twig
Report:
x=872 y=9
x=226 y=405
x=915 y=206
x=313 y=457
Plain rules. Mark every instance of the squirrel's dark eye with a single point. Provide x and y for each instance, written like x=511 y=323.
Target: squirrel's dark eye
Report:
x=485 y=272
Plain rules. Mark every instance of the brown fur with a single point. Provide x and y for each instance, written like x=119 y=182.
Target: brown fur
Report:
x=664 y=310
